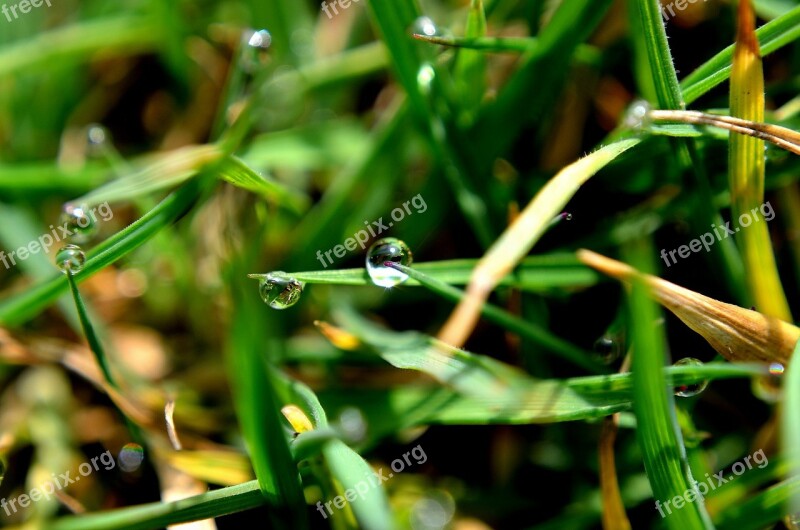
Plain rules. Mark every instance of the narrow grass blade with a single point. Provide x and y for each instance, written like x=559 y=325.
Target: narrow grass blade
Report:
x=518 y=239
x=763 y=510
x=657 y=430
x=541 y=274
x=746 y=170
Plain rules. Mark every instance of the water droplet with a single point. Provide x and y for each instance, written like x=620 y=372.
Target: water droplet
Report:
x=425 y=77
x=425 y=26
x=353 y=424
x=433 y=511
x=637 y=116
x=79 y=221
x=70 y=259
x=280 y=291
x=130 y=457
x=254 y=51
x=608 y=349
x=383 y=250
x=692 y=389
x=260 y=39
x=769 y=388
x=97 y=138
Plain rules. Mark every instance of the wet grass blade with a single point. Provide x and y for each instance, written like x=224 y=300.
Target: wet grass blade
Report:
x=541 y=273
x=746 y=170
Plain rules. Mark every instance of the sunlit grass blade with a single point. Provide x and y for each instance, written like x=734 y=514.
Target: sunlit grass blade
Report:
x=772 y=36
x=737 y=334
x=657 y=430
x=747 y=167
x=541 y=273
x=518 y=239
x=528 y=330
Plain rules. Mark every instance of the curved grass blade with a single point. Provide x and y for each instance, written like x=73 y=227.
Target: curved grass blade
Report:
x=518 y=239
x=27 y=304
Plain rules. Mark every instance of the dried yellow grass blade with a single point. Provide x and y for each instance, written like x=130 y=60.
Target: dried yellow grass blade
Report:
x=521 y=235
x=737 y=334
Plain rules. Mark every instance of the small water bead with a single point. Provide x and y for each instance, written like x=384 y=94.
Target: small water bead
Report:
x=637 y=116
x=608 y=349
x=425 y=26
x=383 y=250
x=70 y=259
x=130 y=457
x=690 y=390
x=280 y=291
x=79 y=221
x=260 y=39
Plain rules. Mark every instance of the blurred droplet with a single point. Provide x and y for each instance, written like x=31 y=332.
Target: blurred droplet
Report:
x=260 y=39
x=388 y=249
x=131 y=457
x=690 y=390
x=433 y=512
x=97 y=138
x=637 y=117
x=280 y=291
x=80 y=222
x=70 y=259
x=425 y=77
x=353 y=424
x=425 y=26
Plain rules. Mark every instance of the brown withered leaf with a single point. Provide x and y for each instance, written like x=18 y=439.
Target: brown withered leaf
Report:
x=737 y=334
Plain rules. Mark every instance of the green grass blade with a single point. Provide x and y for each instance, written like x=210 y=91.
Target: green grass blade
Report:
x=790 y=425
x=772 y=36
x=658 y=432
